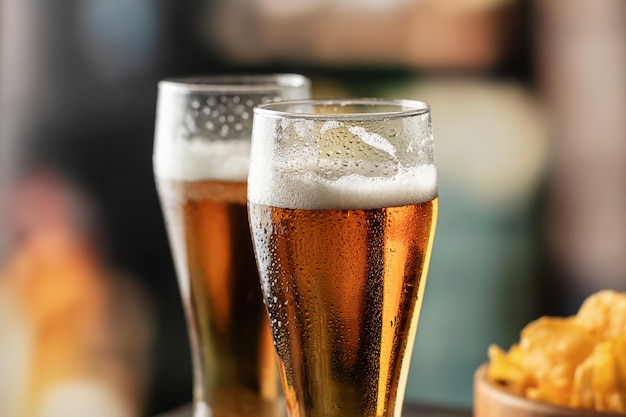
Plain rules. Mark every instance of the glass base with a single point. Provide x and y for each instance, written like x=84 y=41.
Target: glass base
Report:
x=201 y=409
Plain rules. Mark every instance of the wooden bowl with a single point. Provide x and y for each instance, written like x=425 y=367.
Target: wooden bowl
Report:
x=492 y=400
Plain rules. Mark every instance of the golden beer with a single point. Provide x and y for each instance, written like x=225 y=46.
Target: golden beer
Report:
x=343 y=290
x=208 y=227
x=200 y=159
x=342 y=202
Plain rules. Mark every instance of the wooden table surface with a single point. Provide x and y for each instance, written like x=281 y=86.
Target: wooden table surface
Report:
x=410 y=410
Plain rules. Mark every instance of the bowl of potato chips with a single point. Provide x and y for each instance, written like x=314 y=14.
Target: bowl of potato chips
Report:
x=562 y=366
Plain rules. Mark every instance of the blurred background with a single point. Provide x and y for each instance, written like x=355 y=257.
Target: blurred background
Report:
x=528 y=102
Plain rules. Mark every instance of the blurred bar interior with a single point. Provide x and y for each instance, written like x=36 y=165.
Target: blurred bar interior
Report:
x=528 y=101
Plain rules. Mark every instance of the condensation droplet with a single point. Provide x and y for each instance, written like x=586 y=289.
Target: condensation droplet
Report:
x=190 y=123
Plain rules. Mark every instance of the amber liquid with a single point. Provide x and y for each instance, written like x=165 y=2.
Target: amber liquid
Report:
x=234 y=363
x=343 y=289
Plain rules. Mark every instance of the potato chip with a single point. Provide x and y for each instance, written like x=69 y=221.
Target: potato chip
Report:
x=600 y=381
x=505 y=371
x=552 y=348
x=548 y=393
x=604 y=314
x=577 y=361
x=582 y=387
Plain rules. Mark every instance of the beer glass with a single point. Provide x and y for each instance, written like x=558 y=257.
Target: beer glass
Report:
x=342 y=200
x=201 y=152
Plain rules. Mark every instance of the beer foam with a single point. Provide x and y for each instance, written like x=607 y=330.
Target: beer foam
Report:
x=197 y=140
x=310 y=191
x=195 y=159
x=342 y=164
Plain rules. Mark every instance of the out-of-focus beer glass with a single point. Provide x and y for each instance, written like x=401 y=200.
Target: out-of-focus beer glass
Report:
x=342 y=199
x=201 y=153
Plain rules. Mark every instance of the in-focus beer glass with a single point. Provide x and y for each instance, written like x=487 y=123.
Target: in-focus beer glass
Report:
x=201 y=153
x=342 y=199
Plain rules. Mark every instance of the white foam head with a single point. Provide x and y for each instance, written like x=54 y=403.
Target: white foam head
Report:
x=195 y=160
x=339 y=163
x=203 y=124
x=312 y=192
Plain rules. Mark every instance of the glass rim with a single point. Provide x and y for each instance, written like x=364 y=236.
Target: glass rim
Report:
x=236 y=83
x=399 y=108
